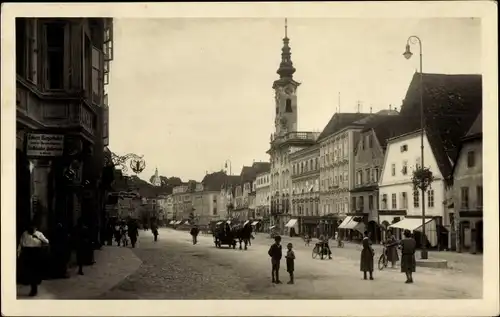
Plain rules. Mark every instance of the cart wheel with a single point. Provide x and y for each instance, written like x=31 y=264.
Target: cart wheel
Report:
x=315 y=252
x=381 y=262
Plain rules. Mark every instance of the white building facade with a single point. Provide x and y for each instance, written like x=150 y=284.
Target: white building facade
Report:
x=263 y=200
x=400 y=207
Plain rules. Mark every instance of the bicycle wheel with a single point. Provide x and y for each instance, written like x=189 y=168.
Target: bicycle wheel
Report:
x=315 y=252
x=381 y=262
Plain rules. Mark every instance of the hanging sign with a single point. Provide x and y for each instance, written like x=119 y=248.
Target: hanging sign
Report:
x=44 y=144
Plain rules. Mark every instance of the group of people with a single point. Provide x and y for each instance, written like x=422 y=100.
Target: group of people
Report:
x=123 y=231
x=407 y=245
x=39 y=258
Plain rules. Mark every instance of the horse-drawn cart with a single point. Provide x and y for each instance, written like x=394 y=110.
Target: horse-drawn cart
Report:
x=223 y=235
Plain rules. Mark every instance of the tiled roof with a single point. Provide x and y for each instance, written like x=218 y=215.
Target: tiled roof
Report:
x=477 y=126
x=386 y=126
x=214 y=181
x=340 y=121
x=249 y=173
x=451 y=105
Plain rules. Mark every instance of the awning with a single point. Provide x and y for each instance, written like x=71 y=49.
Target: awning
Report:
x=172 y=222
x=218 y=223
x=255 y=222
x=272 y=227
x=411 y=224
x=182 y=222
x=345 y=222
x=291 y=223
x=246 y=222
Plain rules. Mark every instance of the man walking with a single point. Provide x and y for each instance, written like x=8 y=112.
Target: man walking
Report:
x=275 y=252
x=194 y=233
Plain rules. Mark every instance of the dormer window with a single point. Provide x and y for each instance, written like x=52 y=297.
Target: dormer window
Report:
x=288 y=107
x=404 y=148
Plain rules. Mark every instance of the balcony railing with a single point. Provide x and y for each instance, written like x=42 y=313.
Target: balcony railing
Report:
x=295 y=136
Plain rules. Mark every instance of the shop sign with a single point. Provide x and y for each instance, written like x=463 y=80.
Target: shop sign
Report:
x=44 y=144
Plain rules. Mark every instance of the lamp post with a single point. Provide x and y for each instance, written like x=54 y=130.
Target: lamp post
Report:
x=408 y=54
x=225 y=165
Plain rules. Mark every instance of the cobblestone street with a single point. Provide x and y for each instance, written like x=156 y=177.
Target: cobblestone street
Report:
x=173 y=268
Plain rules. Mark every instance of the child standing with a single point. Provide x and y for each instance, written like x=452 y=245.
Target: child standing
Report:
x=290 y=259
x=275 y=253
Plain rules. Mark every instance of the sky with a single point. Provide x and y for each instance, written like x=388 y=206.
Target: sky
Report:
x=190 y=93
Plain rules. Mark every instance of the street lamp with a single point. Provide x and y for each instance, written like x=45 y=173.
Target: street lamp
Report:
x=408 y=54
x=225 y=165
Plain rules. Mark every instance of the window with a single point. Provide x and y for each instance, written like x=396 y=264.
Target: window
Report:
x=370 y=202
x=394 y=203
x=97 y=60
x=404 y=148
x=21 y=46
x=416 y=199
x=479 y=196
x=370 y=141
x=214 y=211
x=404 y=200
x=32 y=51
x=359 y=177
x=367 y=175
x=375 y=174
x=470 y=159
x=430 y=198
x=353 y=203
x=393 y=169
x=464 y=197
x=288 y=107
x=363 y=143
x=361 y=203
x=55 y=33
x=405 y=168
x=384 y=201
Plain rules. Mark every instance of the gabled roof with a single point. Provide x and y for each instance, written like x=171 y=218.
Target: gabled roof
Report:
x=214 y=181
x=249 y=173
x=477 y=127
x=451 y=104
x=386 y=126
x=340 y=121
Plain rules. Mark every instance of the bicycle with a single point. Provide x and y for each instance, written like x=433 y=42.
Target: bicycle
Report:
x=383 y=260
x=318 y=249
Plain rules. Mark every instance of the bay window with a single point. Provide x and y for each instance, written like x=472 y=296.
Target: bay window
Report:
x=55 y=33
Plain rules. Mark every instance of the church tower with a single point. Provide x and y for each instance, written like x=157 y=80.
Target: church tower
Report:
x=156 y=179
x=285 y=92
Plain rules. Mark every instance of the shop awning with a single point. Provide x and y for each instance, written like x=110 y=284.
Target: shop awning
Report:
x=255 y=223
x=345 y=222
x=246 y=222
x=172 y=222
x=411 y=224
x=272 y=227
x=218 y=223
x=291 y=223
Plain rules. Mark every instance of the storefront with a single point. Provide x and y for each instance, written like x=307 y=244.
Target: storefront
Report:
x=353 y=226
x=470 y=231
x=387 y=218
x=415 y=224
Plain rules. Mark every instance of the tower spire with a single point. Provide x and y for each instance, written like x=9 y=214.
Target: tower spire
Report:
x=286 y=68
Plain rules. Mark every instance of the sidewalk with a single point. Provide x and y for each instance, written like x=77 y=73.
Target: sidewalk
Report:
x=113 y=264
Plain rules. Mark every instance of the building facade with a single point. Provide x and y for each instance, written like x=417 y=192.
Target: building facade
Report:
x=263 y=200
x=286 y=139
x=62 y=67
x=468 y=192
x=182 y=203
x=305 y=190
x=397 y=198
x=169 y=208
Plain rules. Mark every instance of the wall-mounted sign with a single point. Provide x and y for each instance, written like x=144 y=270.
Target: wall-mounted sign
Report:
x=44 y=144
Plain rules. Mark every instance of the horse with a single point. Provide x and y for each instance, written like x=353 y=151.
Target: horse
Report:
x=243 y=234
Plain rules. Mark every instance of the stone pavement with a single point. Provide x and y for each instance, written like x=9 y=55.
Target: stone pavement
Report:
x=175 y=269
x=113 y=264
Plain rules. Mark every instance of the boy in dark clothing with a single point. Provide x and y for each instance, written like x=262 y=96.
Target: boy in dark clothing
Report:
x=290 y=259
x=275 y=253
x=194 y=233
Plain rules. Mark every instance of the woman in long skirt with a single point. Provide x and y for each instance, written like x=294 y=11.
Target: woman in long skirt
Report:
x=30 y=257
x=367 y=253
x=392 y=251
x=408 y=263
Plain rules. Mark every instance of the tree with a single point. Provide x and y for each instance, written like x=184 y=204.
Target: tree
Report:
x=422 y=179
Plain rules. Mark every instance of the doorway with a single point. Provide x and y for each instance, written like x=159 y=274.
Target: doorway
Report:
x=23 y=197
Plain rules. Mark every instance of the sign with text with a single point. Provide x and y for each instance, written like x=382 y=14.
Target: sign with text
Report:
x=44 y=144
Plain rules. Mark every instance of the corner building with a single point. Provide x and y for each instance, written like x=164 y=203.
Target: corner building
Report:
x=285 y=140
x=62 y=67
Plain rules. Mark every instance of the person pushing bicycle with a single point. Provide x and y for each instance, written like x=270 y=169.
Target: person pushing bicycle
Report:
x=323 y=243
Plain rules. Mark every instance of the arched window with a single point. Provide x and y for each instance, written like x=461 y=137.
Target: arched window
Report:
x=288 y=107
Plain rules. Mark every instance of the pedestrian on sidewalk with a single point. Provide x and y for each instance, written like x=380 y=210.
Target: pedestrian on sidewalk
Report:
x=133 y=232
x=154 y=230
x=408 y=263
x=29 y=253
x=82 y=244
x=275 y=252
x=194 y=234
x=61 y=251
x=391 y=249
x=290 y=260
x=367 y=254
x=117 y=234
